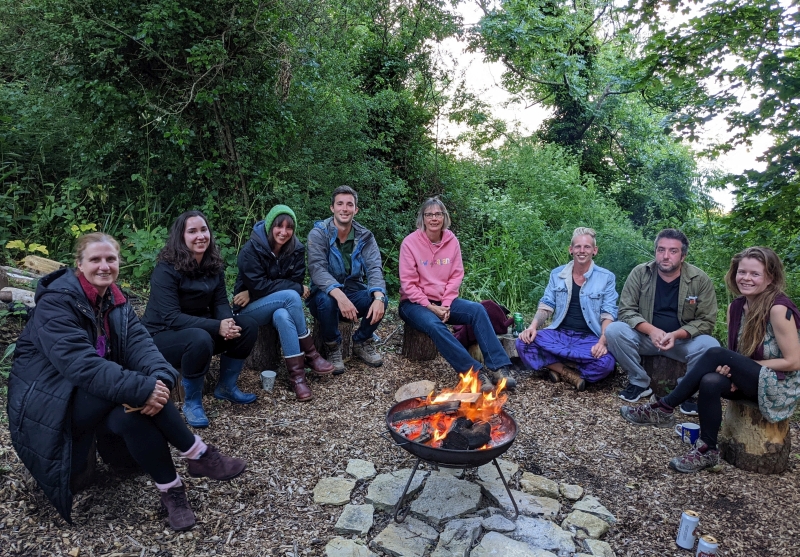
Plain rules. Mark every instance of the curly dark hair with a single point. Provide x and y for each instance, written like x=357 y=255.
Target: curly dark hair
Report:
x=178 y=254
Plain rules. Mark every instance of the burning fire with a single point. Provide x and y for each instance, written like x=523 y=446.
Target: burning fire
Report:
x=474 y=405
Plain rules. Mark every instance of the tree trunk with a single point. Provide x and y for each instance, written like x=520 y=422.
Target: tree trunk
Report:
x=266 y=353
x=748 y=441
x=664 y=373
x=417 y=346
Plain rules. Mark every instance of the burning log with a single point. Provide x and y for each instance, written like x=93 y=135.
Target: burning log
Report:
x=466 y=435
x=466 y=398
x=426 y=410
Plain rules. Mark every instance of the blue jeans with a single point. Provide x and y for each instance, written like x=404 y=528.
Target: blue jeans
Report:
x=462 y=312
x=284 y=310
x=326 y=311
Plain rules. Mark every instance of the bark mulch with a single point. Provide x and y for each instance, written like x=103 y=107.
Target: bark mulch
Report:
x=566 y=436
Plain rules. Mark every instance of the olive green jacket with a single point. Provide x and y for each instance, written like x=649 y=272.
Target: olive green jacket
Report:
x=697 y=300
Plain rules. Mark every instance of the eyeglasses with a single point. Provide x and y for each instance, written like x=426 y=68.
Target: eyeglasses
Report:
x=437 y=215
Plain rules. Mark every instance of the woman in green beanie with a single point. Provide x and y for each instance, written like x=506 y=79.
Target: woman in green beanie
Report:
x=270 y=289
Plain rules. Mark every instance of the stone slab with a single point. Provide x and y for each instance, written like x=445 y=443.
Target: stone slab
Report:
x=590 y=504
x=585 y=525
x=385 y=490
x=543 y=534
x=599 y=548
x=444 y=498
x=413 y=390
x=457 y=538
x=488 y=472
x=355 y=519
x=495 y=544
x=333 y=491
x=412 y=538
x=570 y=491
x=340 y=547
x=498 y=523
x=529 y=505
x=360 y=469
x=538 y=485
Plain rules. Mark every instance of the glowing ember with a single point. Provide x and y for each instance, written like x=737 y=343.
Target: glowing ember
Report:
x=475 y=406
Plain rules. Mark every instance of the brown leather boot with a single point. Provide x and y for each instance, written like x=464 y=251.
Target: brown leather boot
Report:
x=574 y=378
x=552 y=375
x=313 y=359
x=297 y=377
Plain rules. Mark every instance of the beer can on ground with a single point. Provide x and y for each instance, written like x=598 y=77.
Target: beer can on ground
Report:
x=707 y=546
x=690 y=520
x=519 y=326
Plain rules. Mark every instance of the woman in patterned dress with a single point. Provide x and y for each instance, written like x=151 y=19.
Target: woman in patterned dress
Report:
x=760 y=363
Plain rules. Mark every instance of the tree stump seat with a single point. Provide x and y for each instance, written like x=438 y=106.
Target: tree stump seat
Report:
x=417 y=346
x=346 y=330
x=178 y=395
x=664 y=373
x=749 y=442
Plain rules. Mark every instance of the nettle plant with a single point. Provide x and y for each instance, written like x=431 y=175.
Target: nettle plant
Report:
x=20 y=247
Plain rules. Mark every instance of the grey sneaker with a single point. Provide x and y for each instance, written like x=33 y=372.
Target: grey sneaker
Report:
x=696 y=460
x=365 y=351
x=647 y=414
x=505 y=373
x=335 y=357
x=486 y=383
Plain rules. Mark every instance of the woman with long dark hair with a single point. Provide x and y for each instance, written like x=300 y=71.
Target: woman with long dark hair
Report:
x=761 y=363
x=84 y=365
x=270 y=289
x=190 y=318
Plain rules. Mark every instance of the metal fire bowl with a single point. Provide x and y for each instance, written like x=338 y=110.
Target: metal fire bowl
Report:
x=450 y=457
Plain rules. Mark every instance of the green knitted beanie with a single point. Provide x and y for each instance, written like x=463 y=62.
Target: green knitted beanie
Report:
x=277 y=211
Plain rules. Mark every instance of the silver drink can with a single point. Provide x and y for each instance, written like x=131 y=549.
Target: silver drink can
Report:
x=707 y=546
x=690 y=520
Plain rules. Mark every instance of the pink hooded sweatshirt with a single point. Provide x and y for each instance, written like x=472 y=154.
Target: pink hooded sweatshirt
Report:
x=430 y=272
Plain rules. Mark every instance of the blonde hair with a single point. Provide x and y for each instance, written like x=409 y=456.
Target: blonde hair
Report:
x=93 y=238
x=584 y=231
x=755 y=323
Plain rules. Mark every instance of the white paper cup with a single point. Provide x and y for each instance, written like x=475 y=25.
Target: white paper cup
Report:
x=268 y=379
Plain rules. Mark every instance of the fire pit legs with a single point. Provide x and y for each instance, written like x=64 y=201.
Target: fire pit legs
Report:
x=401 y=512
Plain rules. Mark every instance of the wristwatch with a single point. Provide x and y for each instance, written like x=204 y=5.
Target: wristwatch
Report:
x=380 y=297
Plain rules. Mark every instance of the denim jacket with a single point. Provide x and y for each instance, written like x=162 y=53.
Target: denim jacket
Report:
x=598 y=296
x=326 y=265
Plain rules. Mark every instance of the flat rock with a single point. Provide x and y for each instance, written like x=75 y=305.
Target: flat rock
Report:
x=599 y=548
x=413 y=390
x=488 y=472
x=409 y=539
x=355 y=519
x=543 y=534
x=495 y=544
x=590 y=504
x=340 y=547
x=360 y=469
x=538 y=485
x=528 y=504
x=385 y=490
x=498 y=523
x=444 y=498
x=333 y=491
x=457 y=538
x=585 y=525
x=570 y=491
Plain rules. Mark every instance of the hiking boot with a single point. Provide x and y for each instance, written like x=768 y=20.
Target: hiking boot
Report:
x=504 y=372
x=689 y=407
x=486 y=383
x=215 y=465
x=697 y=459
x=552 y=376
x=179 y=512
x=335 y=357
x=365 y=351
x=574 y=378
x=632 y=392
x=648 y=414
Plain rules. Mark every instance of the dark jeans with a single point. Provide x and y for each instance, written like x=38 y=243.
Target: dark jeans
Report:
x=325 y=310
x=712 y=387
x=146 y=437
x=191 y=349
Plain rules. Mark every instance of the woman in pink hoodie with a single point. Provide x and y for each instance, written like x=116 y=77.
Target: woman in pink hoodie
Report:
x=431 y=272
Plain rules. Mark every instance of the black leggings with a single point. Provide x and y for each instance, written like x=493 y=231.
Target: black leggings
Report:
x=713 y=386
x=146 y=437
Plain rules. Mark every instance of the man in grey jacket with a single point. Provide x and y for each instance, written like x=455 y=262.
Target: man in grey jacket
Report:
x=667 y=307
x=346 y=279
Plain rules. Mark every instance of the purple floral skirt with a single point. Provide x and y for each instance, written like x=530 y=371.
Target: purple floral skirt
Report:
x=568 y=347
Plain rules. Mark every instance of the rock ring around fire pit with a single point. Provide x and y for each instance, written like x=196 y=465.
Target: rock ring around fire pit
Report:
x=448 y=458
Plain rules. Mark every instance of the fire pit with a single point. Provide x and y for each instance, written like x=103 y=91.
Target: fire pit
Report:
x=459 y=429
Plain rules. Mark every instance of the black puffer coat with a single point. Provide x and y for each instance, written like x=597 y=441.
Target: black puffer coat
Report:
x=261 y=273
x=55 y=354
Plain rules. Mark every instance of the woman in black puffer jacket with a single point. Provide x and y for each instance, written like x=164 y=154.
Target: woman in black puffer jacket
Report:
x=84 y=362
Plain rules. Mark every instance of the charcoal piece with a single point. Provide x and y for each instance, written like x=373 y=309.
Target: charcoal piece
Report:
x=425 y=410
x=478 y=435
x=461 y=423
x=455 y=441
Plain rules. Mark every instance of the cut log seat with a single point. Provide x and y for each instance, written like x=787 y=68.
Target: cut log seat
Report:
x=664 y=373
x=748 y=441
x=417 y=346
x=346 y=329
x=266 y=353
